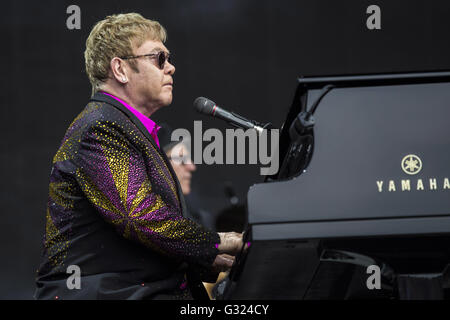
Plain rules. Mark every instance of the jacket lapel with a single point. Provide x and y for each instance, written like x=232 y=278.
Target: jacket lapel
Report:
x=104 y=98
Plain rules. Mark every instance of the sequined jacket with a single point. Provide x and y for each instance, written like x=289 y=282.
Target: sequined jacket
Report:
x=115 y=210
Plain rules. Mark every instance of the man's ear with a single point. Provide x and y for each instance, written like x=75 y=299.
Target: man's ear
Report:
x=119 y=70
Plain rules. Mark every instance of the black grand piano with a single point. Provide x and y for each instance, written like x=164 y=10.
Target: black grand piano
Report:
x=363 y=182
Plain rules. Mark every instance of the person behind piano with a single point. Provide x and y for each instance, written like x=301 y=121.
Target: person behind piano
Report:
x=179 y=156
x=115 y=210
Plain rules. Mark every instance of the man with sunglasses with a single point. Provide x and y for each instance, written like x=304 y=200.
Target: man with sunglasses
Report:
x=115 y=223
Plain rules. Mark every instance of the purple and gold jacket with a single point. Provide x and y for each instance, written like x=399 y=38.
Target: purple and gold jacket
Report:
x=115 y=210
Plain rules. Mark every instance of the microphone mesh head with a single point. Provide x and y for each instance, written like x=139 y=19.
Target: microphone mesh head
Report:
x=204 y=105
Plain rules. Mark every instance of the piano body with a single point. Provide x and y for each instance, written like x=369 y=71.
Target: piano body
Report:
x=364 y=181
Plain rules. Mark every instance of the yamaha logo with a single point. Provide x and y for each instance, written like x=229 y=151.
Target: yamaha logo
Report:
x=411 y=164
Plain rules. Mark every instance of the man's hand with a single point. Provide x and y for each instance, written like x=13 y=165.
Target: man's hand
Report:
x=230 y=242
x=223 y=262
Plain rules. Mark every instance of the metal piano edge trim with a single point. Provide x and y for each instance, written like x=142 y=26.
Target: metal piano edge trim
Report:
x=358 y=228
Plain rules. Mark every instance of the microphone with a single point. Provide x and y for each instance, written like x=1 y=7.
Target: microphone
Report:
x=210 y=108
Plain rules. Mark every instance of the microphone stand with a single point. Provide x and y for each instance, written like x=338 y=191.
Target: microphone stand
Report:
x=302 y=140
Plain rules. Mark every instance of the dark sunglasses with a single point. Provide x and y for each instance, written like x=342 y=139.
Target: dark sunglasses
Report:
x=160 y=56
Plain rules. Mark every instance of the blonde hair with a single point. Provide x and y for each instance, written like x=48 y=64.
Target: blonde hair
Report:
x=116 y=36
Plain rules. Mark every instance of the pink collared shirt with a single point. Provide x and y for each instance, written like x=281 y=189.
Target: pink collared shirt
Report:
x=148 y=123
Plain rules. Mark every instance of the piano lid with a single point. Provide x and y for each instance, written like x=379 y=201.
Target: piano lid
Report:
x=380 y=152
x=374 y=79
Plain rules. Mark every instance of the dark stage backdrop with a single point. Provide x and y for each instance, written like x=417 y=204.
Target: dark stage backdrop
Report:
x=243 y=54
